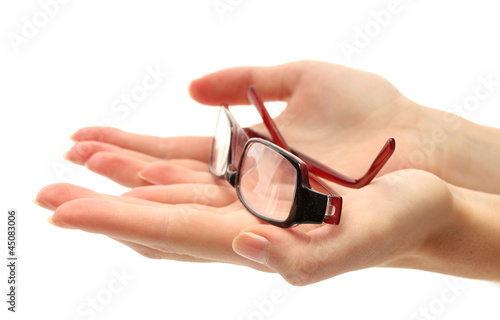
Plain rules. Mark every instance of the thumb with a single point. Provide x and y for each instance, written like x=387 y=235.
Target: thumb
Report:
x=229 y=86
x=285 y=251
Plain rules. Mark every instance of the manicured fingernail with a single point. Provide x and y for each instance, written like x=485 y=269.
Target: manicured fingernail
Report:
x=49 y=220
x=43 y=205
x=58 y=224
x=253 y=247
x=142 y=177
x=74 y=159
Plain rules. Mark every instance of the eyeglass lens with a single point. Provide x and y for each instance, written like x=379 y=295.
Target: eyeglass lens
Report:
x=221 y=144
x=267 y=182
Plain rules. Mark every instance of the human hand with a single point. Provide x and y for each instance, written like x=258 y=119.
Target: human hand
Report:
x=164 y=171
x=383 y=225
x=324 y=101
x=342 y=117
x=177 y=210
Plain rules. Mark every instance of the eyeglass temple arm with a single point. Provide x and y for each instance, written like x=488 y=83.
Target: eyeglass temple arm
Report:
x=325 y=172
x=257 y=101
x=314 y=166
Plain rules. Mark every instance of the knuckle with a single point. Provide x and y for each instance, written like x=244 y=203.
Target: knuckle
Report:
x=164 y=148
x=296 y=279
x=84 y=148
x=302 y=272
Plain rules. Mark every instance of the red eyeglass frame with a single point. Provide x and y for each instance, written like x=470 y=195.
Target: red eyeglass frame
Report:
x=310 y=206
x=314 y=166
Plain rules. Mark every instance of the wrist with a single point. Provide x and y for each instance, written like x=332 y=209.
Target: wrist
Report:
x=474 y=157
x=458 y=151
x=466 y=242
x=434 y=139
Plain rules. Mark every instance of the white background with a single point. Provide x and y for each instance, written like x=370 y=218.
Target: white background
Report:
x=91 y=52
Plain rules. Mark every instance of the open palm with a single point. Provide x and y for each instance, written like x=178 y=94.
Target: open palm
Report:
x=177 y=210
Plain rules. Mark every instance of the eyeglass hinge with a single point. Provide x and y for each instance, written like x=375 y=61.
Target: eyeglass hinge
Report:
x=231 y=177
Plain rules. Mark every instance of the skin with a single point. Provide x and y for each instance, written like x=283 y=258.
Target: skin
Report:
x=432 y=209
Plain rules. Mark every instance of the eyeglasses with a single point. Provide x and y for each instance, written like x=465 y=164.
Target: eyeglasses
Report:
x=273 y=181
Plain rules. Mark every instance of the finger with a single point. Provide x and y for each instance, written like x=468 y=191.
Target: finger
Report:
x=167 y=173
x=156 y=254
x=199 y=233
x=230 y=86
x=299 y=257
x=204 y=194
x=196 y=148
x=119 y=168
x=54 y=195
x=82 y=151
x=131 y=220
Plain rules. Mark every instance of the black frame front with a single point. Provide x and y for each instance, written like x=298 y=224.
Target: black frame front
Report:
x=229 y=174
x=309 y=206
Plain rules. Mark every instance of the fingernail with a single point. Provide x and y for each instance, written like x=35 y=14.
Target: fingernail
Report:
x=74 y=159
x=43 y=205
x=58 y=224
x=49 y=220
x=253 y=247
x=142 y=177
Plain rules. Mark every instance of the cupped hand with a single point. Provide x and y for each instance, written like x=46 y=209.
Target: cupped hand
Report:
x=338 y=115
x=177 y=210
x=383 y=224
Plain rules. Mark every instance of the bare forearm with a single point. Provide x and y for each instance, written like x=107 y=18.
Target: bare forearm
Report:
x=461 y=152
x=480 y=147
